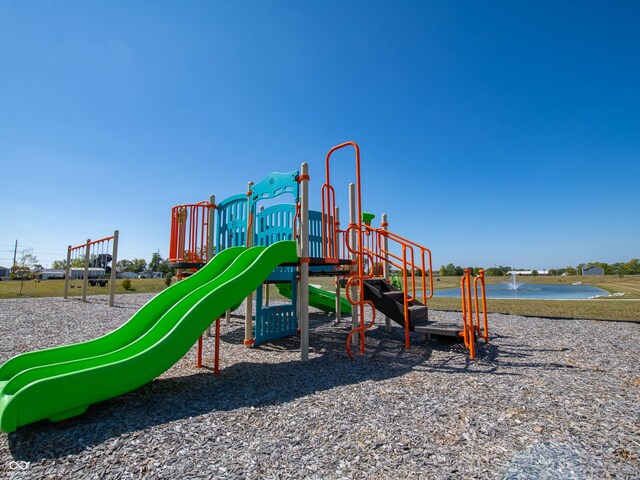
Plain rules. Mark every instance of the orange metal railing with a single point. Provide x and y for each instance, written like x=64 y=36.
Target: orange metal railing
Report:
x=331 y=241
x=190 y=233
x=472 y=326
x=370 y=252
x=376 y=249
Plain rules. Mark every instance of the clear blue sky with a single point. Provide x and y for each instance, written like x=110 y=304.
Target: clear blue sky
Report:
x=492 y=132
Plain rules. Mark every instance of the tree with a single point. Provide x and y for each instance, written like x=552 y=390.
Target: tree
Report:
x=443 y=271
x=495 y=272
x=22 y=270
x=78 y=263
x=138 y=265
x=534 y=273
x=59 y=264
x=124 y=265
x=632 y=266
x=571 y=271
x=155 y=262
x=450 y=270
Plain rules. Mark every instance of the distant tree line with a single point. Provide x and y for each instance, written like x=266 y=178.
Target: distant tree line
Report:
x=136 y=265
x=632 y=267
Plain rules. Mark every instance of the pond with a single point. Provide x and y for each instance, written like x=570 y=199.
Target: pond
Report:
x=532 y=291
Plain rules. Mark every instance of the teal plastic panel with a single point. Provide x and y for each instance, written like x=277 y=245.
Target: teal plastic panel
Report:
x=276 y=321
x=232 y=222
x=274 y=185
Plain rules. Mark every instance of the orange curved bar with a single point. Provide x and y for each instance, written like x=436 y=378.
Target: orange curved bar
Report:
x=328 y=201
x=471 y=334
x=485 y=330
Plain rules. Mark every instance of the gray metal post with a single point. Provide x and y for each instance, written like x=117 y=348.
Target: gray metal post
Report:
x=67 y=272
x=248 y=315
x=211 y=223
x=304 y=262
x=336 y=216
x=353 y=242
x=85 y=282
x=385 y=264
x=114 y=260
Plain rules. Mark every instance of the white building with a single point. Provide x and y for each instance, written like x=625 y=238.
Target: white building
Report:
x=527 y=272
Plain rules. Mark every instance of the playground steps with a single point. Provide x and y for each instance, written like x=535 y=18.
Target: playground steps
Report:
x=441 y=329
x=389 y=299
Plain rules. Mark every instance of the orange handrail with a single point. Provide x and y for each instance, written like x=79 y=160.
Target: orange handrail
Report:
x=485 y=327
x=369 y=246
x=470 y=328
x=330 y=240
x=407 y=264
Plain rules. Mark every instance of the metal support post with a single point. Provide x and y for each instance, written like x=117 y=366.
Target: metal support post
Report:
x=385 y=263
x=67 y=272
x=85 y=282
x=336 y=216
x=248 y=315
x=353 y=243
x=114 y=260
x=304 y=263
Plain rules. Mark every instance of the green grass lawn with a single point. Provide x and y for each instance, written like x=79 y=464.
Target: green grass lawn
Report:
x=55 y=288
x=625 y=308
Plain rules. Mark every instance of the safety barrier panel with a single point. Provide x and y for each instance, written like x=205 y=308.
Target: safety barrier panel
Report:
x=190 y=226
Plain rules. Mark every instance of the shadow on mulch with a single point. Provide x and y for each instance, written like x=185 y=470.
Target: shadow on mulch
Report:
x=253 y=384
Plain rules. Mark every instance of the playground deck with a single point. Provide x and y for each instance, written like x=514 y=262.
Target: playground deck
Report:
x=545 y=395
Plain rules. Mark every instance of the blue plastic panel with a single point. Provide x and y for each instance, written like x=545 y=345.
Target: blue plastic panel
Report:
x=276 y=321
x=274 y=185
x=232 y=222
x=315 y=234
x=274 y=223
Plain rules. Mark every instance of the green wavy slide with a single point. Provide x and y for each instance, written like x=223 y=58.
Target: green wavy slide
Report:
x=318 y=298
x=62 y=382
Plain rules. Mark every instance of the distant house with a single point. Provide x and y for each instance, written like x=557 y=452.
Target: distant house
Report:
x=593 y=270
x=150 y=274
x=4 y=272
x=127 y=275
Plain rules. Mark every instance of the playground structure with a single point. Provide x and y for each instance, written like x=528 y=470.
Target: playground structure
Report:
x=360 y=257
x=96 y=256
x=281 y=244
